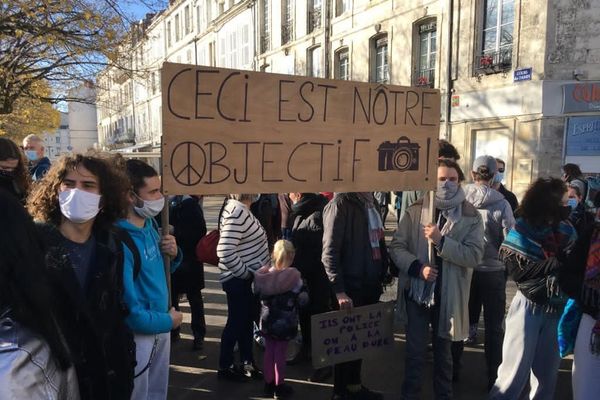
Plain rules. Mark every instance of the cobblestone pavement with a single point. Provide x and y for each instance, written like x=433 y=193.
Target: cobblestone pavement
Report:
x=193 y=375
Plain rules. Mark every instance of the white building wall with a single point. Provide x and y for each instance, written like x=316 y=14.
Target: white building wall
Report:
x=82 y=120
x=57 y=143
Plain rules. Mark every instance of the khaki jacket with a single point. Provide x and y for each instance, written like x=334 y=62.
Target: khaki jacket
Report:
x=461 y=252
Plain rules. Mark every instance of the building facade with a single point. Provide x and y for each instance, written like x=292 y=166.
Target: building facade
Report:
x=516 y=77
x=57 y=143
x=82 y=122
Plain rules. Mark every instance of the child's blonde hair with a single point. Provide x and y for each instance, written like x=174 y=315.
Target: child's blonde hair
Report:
x=283 y=253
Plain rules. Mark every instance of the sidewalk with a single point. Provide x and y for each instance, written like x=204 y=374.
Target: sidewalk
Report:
x=194 y=374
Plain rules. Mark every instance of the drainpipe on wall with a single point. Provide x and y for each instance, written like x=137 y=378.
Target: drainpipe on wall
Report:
x=449 y=68
x=326 y=36
x=133 y=71
x=256 y=32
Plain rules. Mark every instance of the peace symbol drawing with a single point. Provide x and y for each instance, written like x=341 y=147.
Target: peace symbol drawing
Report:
x=191 y=170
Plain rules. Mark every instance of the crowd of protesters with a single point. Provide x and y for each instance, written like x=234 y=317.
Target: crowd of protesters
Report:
x=86 y=312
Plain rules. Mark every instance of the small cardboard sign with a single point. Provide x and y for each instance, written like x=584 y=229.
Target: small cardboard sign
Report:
x=341 y=336
x=233 y=131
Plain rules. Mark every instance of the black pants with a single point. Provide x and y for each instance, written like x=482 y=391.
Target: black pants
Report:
x=349 y=373
x=190 y=281
x=321 y=298
x=488 y=289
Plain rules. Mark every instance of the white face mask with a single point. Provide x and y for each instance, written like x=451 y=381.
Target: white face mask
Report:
x=151 y=208
x=79 y=206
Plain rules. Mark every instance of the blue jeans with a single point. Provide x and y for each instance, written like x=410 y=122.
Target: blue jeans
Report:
x=417 y=337
x=240 y=312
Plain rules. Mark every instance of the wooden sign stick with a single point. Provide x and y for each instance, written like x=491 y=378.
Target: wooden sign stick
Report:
x=164 y=223
x=430 y=218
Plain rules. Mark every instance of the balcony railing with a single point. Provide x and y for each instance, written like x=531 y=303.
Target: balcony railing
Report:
x=425 y=78
x=287 y=32
x=265 y=42
x=314 y=19
x=494 y=62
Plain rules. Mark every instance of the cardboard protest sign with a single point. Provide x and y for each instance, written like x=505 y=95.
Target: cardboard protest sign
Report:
x=342 y=336
x=229 y=131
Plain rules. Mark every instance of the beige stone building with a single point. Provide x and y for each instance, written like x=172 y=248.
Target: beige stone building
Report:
x=516 y=77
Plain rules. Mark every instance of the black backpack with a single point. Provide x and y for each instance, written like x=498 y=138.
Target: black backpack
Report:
x=125 y=238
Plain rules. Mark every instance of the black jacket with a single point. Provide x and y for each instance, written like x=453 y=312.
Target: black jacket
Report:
x=572 y=272
x=307 y=232
x=188 y=220
x=39 y=169
x=347 y=253
x=510 y=197
x=101 y=344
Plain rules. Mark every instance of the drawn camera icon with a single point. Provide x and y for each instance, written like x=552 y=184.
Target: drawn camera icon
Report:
x=400 y=156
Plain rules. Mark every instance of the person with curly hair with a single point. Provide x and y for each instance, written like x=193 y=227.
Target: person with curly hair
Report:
x=14 y=177
x=534 y=253
x=77 y=204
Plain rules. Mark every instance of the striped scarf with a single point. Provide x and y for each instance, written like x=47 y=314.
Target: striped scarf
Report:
x=534 y=244
x=376 y=232
x=538 y=244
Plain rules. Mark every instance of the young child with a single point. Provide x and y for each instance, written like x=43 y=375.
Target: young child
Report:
x=281 y=291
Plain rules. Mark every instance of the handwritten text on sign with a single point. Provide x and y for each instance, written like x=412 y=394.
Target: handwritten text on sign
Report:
x=342 y=336
x=229 y=131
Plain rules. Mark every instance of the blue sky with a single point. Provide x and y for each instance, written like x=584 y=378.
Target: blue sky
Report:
x=137 y=9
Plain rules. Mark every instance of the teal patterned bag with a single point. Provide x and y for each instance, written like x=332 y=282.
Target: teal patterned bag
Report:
x=567 y=328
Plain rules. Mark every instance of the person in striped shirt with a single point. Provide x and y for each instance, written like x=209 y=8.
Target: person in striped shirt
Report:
x=242 y=250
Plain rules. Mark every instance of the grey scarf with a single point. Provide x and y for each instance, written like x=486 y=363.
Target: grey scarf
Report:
x=450 y=208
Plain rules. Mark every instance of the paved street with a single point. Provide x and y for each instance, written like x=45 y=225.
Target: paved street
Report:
x=193 y=374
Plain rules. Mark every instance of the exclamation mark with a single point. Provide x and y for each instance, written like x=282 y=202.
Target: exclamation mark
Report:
x=427 y=165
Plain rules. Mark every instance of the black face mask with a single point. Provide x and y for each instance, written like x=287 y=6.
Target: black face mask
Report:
x=565 y=212
x=7 y=175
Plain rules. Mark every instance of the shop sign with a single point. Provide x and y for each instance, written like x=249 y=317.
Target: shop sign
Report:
x=581 y=97
x=583 y=136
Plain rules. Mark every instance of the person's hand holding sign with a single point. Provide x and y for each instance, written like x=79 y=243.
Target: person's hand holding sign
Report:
x=429 y=273
x=433 y=233
x=168 y=246
x=344 y=301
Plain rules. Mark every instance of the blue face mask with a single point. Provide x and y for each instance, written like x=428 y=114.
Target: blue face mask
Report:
x=31 y=155
x=572 y=203
x=499 y=177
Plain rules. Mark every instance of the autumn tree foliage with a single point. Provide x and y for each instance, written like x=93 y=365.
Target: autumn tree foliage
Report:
x=30 y=115
x=60 y=42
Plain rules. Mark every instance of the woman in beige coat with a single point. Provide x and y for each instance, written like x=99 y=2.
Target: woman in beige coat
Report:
x=436 y=293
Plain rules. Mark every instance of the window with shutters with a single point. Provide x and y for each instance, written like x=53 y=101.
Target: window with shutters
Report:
x=496 y=38
x=314 y=62
x=342 y=64
x=379 y=59
x=177 y=28
x=188 y=21
x=169 y=35
x=265 y=26
x=427 y=53
x=341 y=6
x=287 y=21
x=314 y=15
